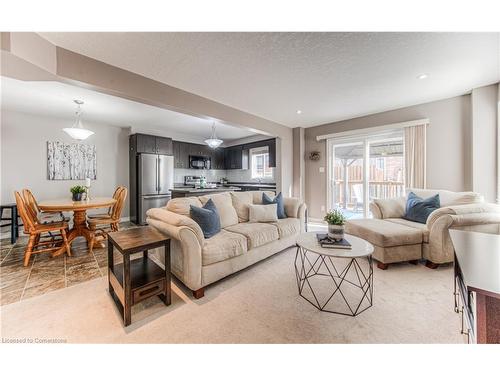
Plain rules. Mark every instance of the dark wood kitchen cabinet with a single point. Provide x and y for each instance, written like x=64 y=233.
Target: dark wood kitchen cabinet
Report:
x=151 y=144
x=218 y=159
x=233 y=157
x=164 y=146
x=272 y=152
x=145 y=143
x=181 y=154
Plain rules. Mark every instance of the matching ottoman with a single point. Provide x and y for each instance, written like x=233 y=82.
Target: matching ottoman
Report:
x=392 y=242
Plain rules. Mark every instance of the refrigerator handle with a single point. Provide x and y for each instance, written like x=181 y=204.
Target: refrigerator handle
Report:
x=158 y=174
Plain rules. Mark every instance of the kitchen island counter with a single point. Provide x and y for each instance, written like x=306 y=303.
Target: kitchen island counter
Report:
x=180 y=192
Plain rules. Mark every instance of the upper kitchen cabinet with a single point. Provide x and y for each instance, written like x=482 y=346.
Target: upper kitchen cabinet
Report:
x=144 y=143
x=272 y=152
x=218 y=158
x=151 y=144
x=233 y=157
x=164 y=146
x=181 y=154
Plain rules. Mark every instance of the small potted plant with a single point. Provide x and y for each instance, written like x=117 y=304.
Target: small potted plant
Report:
x=77 y=192
x=336 y=224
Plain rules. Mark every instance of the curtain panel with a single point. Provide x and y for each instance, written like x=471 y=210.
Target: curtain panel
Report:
x=415 y=156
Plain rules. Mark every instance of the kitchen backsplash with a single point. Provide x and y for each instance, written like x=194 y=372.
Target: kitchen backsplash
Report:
x=245 y=175
x=214 y=175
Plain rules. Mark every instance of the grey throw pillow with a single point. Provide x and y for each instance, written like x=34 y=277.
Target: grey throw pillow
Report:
x=419 y=209
x=279 y=202
x=207 y=217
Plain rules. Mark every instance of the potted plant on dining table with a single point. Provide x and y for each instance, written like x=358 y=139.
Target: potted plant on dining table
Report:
x=77 y=192
x=336 y=224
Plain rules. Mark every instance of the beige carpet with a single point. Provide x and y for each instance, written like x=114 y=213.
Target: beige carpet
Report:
x=412 y=304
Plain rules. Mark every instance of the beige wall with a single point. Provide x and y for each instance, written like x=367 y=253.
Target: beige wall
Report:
x=24 y=156
x=448 y=148
x=484 y=140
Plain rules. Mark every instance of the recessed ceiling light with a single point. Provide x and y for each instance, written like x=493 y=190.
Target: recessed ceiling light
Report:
x=299 y=111
x=422 y=76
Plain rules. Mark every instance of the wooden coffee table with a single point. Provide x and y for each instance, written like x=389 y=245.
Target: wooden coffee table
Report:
x=131 y=282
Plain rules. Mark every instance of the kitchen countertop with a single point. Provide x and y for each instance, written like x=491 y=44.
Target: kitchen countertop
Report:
x=270 y=186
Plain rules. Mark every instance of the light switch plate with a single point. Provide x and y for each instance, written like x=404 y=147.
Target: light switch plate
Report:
x=321 y=169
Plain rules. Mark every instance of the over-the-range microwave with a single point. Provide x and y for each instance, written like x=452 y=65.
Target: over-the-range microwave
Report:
x=199 y=162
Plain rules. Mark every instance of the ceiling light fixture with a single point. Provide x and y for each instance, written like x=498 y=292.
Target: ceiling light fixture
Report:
x=213 y=141
x=78 y=132
x=422 y=76
x=299 y=111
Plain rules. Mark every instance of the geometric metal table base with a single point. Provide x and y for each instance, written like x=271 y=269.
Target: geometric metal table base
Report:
x=309 y=265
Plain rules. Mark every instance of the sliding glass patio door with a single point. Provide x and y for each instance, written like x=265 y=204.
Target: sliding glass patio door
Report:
x=364 y=168
x=348 y=178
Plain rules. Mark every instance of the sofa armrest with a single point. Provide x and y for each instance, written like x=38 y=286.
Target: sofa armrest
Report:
x=297 y=209
x=477 y=213
x=174 y=221
x=375 y=210
x=186 y=252
x=302 y=216
x=291 y=206
x=388 y=208
x=464 y=216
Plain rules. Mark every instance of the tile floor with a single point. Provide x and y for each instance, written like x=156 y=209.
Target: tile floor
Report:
x=44 y=273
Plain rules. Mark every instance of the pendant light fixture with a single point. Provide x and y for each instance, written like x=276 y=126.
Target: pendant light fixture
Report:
x=213 y=141
x=78 y=132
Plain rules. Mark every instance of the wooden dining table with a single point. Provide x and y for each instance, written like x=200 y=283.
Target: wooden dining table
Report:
x=79 y=209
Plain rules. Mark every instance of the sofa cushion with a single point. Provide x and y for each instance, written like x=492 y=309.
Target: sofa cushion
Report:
x=241 y=201
x=287 y=227
x=259 y=213
x=418 y=209
x=207 y=218
x=278 y=200
x=257 y=234
x=224 y=204
x=257 y=196
x=383 y=233
x=413 y=224
x=222 y=246
x=451 y=198
x=181 y=206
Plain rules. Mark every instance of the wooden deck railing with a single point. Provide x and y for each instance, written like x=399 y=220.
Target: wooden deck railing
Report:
x=377 y=189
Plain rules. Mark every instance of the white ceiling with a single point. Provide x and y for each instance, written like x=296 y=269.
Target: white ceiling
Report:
x=56 y=99
x=329 y=76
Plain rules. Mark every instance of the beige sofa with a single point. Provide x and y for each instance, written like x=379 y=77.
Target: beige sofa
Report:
x=198 y=262
x=396 y=239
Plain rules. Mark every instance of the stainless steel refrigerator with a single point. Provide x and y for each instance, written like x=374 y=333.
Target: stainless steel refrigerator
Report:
x=155 y=178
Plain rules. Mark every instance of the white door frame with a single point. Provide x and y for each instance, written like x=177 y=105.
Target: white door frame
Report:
x=366 y=140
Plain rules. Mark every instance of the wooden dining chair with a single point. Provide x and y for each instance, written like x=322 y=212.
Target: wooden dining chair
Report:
x=43 y=217
x=107 y=215
x=39 y=242
x=101 y=225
